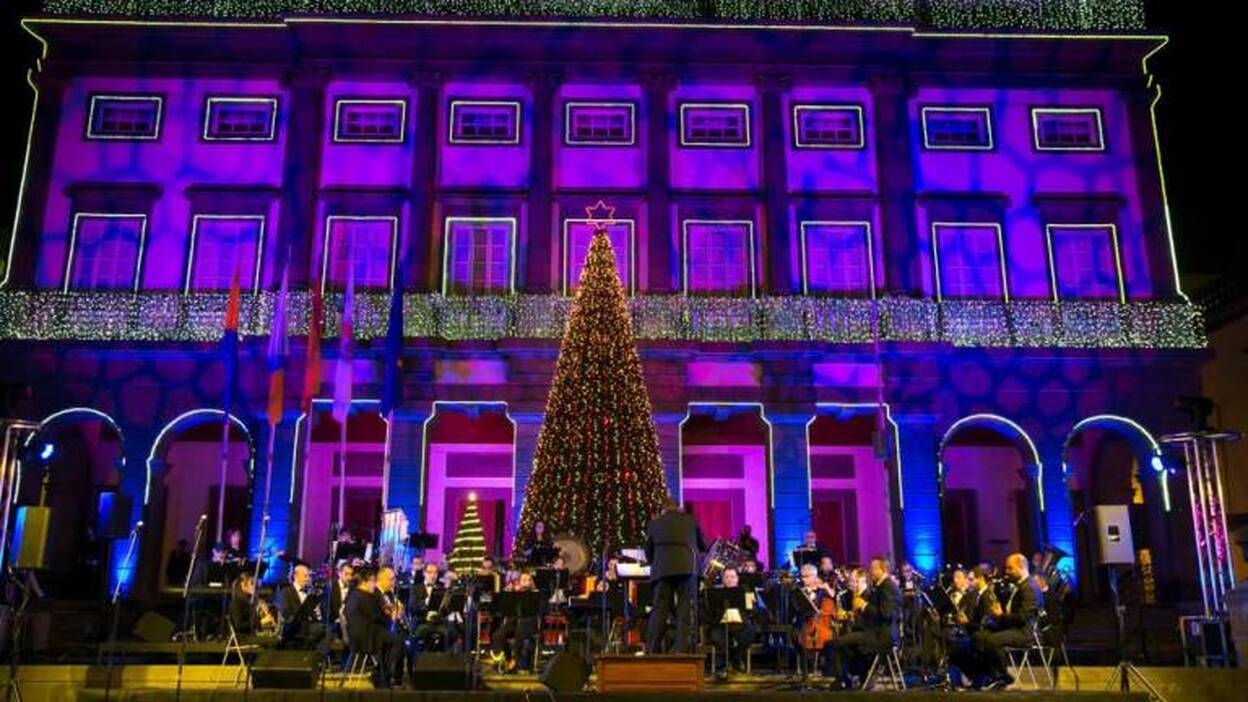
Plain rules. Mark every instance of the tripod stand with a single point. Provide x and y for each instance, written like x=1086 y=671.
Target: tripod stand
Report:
x=19 y=578
x=1126 y=671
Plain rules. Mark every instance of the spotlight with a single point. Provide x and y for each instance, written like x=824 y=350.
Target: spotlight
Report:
x=1157 y=463
x=46 y=453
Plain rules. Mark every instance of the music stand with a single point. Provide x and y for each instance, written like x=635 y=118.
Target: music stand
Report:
x=941 y=601
x=543 y=555
x=550 y=579
x=719 y=601
x=805 y=556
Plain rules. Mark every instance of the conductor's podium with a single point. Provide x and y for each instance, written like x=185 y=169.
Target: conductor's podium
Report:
x=658 y=673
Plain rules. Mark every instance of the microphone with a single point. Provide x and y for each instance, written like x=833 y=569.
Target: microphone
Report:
x=138 y=526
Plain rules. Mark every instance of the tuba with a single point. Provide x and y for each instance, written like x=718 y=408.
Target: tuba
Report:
x=574 y=551
x=723 y=554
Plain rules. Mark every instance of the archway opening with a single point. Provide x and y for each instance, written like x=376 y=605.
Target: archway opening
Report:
x=328 y=493
x=849 y=488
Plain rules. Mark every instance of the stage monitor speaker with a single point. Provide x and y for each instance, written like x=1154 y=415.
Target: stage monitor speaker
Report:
x=440 y=671
x=112 y=516
x=1113 y=535
x=154 y=628
x=29 y=548
x=566 y=672
x=291 y=670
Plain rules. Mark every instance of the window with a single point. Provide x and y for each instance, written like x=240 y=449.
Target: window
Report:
x=240 y=119
x=370 y=121
x=957 y=128
x=719 y=257
x=124 y=117
x=1067 y=129
x=1084 y=261
x=220 y=245
x=969 y=260
x=828 y=127
x=605 y=123
x=578 y=234
x=485 y=122
x=836 y=258
x=478 y=255
x=714 y=124
x=105 y=251
x=366 y=243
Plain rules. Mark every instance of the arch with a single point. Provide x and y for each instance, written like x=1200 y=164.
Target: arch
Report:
x=752 y=511
x=1147 y=448
x=70 y=415
x=186 y=420
x=976 y=504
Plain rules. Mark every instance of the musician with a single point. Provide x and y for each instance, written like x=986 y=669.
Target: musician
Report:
x=610 y=579
x=537 y=547
x=827 y=569
x=747 y=542
x=242 y=611
x=301 y=612
x=1010 y=623
x=366 y=621
x=512 y=643
x=732 y=628
x=234 y=554
x=971 y=597
x=674 y=542
x=810 y=551
x=423 y=600
x=874 y=614
x=178 y=564
x=392 y=635
x=338 y=593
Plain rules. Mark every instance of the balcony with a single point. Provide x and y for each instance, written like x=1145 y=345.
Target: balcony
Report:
x=174 y=317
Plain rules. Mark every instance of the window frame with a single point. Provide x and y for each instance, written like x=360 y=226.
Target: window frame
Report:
x=327 y=242
x=66 y=284
x=340 y=102
x=211 y=100
x=1114 y=243
x=870 y=252
x=751 y=251
x=997 y=227
x=799 y=107
x=1037 y=112
x=682 y=107
x=457 y=103
x=570 y=105
x=90 y=134
x=987 y=112
x=189 y=274
x=512 y=234
x=567 y=250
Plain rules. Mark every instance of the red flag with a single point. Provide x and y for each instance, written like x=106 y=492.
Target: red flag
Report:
x=312 y=360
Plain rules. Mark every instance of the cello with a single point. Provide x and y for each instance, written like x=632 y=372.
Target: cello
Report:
x=821 y=627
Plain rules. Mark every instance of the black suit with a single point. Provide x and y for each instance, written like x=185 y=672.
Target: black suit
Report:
x=674 y=543
x=961 y=654
x=875 y=631
x=301 y=625
x=1015 y=628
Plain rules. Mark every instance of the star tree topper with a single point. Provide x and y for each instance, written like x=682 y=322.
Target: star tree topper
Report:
x=600 y=214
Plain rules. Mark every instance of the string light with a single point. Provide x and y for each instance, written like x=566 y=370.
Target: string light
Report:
x=469 y=546
x=44 y=315
x=597 y=471
x=1086 y=15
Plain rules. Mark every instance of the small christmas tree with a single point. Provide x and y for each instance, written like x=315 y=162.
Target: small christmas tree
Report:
x=469 y=546
x=597 y=472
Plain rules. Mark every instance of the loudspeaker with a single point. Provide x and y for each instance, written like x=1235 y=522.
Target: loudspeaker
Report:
x=566 y=672
x=293 y=670
x=440 y=671
x=153 y=628
x=112 y=515
x=29 y=547
x=1113 y=534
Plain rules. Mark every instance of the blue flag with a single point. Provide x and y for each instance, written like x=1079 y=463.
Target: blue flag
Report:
x=392 y=387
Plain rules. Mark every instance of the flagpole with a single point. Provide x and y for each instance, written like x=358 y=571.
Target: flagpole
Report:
x=342 y=470
x=385 y=463
x=225 y=461
x=264 y=518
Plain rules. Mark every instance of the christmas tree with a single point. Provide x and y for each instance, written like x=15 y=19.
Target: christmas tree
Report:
x=597 y=473
x=469 y=540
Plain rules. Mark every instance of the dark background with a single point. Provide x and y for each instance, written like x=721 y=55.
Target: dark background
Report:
x=1198 y=118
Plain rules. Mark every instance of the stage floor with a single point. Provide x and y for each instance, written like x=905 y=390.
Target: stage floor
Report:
x=539 y=694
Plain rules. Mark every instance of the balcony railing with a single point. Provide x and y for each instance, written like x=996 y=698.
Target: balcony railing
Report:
x=174 y=317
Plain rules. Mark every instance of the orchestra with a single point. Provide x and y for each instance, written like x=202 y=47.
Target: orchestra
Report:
x=681 y=592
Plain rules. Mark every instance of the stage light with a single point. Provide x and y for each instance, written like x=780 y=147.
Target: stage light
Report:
x=47 y=452
x=1157 y=463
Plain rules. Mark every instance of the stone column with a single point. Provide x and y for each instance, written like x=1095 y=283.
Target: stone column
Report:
x=19 y=270
x=538 y=270
x=894 y=153
x=919 y=498
x=776 y=236
x=306 y=132
x=420 y=274
x=790 y=496
x=658 y=88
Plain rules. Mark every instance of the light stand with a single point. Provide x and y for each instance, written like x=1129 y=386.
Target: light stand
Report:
x=12 y=689
x=112 y=633
x=186 y=601
x=1126 y=671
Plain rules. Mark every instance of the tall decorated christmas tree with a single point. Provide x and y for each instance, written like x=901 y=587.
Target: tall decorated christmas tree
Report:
x=469 y=546
x=597 y=473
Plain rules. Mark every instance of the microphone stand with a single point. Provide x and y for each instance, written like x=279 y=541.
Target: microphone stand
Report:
x=186 y=601
x=255 y=593
x=112 y=634
x=605 y=631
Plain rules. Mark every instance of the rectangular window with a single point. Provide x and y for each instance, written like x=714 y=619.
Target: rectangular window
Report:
x=240 y=119
x=125 y=117
x=957 y=128
x=599 y=123
x=578 y=234
x=719 y=257
x=1067 y=129
x=714 y=124
x=836 y=258
x=478 y=256
x=366 y=244
x=969 y=260
x=370 y=121
x=105 y=251
x=1084 y=261
x=485 y=122
x=221 y=245
x=828 y=127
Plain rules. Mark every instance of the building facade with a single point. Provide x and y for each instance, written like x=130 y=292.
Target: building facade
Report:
x=906 y=284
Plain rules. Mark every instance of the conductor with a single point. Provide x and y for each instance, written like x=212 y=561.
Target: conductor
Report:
x=673 y=544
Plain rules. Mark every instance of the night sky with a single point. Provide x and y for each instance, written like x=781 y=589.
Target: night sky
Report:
x=1194 y=69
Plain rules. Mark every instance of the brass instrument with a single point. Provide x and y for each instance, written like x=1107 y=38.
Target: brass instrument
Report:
x=722 y=555
x=574 y=551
